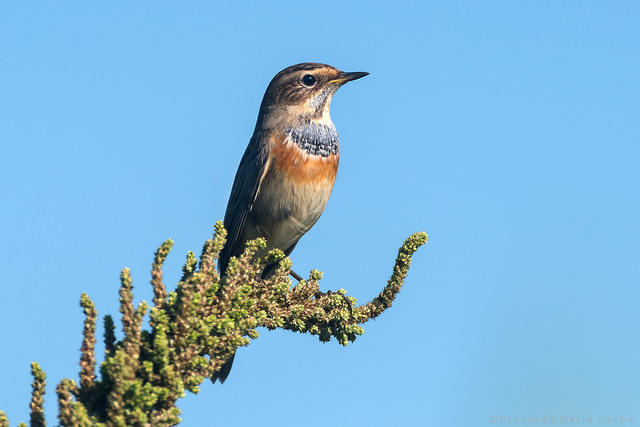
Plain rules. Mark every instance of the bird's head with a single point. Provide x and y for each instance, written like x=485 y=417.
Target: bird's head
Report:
x=302 y=92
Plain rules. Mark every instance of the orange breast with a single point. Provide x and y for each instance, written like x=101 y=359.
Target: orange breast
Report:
x=299 y=166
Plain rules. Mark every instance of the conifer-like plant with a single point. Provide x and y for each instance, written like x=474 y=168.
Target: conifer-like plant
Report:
x=195 y=329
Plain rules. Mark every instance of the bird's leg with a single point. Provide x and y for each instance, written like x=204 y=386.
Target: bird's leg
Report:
x=295 y=275
x=329 y=293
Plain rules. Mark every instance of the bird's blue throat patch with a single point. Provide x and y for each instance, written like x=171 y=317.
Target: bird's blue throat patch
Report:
x=316 y=139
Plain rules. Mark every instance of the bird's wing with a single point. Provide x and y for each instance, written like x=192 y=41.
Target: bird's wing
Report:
x=251 y=172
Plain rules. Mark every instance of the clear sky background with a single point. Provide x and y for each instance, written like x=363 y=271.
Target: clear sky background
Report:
x=509 y=131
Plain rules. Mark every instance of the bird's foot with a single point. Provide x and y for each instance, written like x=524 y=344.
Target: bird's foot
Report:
x=329 y=293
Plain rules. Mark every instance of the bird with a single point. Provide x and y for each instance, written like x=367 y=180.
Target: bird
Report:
x=288 y=169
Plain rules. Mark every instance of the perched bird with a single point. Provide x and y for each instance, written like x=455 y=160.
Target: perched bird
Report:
x=287 y=172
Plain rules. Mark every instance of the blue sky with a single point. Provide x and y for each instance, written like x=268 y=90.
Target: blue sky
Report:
x=509 y=131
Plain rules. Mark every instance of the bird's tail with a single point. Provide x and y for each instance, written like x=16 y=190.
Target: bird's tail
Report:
x=223 y=373
x=268 y=271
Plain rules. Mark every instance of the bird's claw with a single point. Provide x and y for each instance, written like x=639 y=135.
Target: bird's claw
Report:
x=344 y=297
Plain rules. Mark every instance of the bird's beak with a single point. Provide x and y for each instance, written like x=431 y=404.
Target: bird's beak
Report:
x=347 y=77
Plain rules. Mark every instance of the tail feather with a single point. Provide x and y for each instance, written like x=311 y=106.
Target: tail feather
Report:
x=268 y=271
x=223 y=373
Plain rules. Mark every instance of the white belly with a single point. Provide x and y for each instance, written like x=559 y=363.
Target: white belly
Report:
x=284 y=211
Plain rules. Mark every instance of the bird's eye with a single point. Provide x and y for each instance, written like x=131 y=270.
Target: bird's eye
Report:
x=308 y=80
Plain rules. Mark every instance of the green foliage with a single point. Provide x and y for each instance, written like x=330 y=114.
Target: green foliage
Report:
x=37 y=396
x=195 y=329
